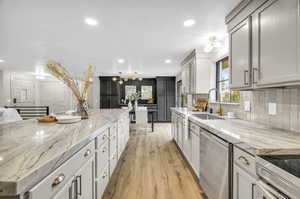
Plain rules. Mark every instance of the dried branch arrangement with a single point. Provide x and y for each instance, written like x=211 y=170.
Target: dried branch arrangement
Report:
x=62 y=74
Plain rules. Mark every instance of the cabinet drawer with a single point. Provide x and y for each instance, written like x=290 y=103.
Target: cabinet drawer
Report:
x=102 y=182
x=113 y=145
x=102 y=138
x=112 y=164
x=57 y=179
x=102 y=157
x=244 y=160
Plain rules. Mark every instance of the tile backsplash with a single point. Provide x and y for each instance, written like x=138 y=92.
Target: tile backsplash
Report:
x=287 y=102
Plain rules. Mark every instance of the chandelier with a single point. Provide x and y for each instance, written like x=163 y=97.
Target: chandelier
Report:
x=124 y=78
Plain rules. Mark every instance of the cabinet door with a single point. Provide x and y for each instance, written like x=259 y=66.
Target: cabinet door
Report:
x=240 y=51
x=243 y=184
x=277 y=31
x=195 y=154
x=85 y=181
x=68 y=191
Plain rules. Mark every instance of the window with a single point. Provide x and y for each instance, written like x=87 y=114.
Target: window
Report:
x=224 y=94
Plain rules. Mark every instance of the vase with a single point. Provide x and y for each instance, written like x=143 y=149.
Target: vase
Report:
x=135 y=104
x=129 y=105
x=82 y=109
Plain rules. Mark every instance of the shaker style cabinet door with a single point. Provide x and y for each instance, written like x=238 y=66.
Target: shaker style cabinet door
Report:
x=85 y=181
x=243 y=184
x=277 y=53
x=67 y=192
x=240 y=55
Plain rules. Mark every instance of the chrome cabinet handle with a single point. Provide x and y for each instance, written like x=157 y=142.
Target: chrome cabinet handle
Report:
x=244 y=160
x=245 y=77
x=87 y=153
x=59 y=179
x=78 y=181
x=253 y=75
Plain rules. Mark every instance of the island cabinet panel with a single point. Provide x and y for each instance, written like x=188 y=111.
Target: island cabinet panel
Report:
x=102 y=157
x=277 y=54
x=68 y=191
x=85 y=181
x=102 y=182
x=53 y=183
x=240 y=47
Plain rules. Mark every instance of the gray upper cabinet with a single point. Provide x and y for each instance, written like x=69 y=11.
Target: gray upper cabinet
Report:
x=277 y=33
x=264 y=44
x=240 y=56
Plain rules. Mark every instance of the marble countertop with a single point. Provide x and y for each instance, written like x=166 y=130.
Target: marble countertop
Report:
x=255 y=138
x=29 y=151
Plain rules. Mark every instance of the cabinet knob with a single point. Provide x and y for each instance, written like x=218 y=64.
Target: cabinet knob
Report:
x=87 y=153
x=103 y=137
x=244 y=160
x=59 y=179
x=104 y=150
x=104 y=175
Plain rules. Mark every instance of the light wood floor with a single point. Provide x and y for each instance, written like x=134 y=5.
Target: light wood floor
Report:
x=153 y=168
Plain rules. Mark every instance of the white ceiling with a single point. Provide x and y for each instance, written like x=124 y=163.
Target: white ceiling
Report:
x=143 y=32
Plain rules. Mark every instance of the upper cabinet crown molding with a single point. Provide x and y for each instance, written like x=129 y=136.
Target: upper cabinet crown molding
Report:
x=195 y=74
x=265 y=45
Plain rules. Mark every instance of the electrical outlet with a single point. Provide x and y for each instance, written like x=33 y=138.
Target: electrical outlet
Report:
x=247 y=106
x=272 y=108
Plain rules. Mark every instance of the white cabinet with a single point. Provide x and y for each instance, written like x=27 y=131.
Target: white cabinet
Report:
x=244 y=174
x=85 y=181
x=68 y=191
x=195 y=152
x=240 y=67
x=243 y=184
x=195 y=73
x=277 y=53
x=81 y=186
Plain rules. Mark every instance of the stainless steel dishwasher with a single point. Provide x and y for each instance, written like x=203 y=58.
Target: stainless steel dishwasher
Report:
x=214 y=169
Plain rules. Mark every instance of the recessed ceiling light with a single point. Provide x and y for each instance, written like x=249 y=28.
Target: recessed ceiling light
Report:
x=1 y=60
x=168 y=61
x=189 y=23
x=121 y=61
x=91 y=21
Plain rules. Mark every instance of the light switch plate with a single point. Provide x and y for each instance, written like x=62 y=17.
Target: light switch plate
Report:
x=247 y=106
x=272 y=108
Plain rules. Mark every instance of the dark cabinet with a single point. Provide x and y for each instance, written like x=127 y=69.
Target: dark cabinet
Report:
x=109 y=93
x=165 y=97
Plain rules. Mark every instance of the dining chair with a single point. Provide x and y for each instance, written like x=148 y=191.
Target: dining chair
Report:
x=141 y=117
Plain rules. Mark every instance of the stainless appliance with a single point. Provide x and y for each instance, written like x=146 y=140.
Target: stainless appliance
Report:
x=279 y=177
x=214 y=169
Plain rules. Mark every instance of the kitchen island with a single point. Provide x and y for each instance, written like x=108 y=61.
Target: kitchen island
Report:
x=38 y=158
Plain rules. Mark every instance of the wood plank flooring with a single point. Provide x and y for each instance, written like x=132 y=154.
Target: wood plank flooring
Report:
x=153 y=168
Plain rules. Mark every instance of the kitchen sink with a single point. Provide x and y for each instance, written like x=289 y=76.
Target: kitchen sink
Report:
x=207 y=117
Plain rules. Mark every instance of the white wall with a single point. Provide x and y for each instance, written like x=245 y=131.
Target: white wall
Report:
x=49 y=92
